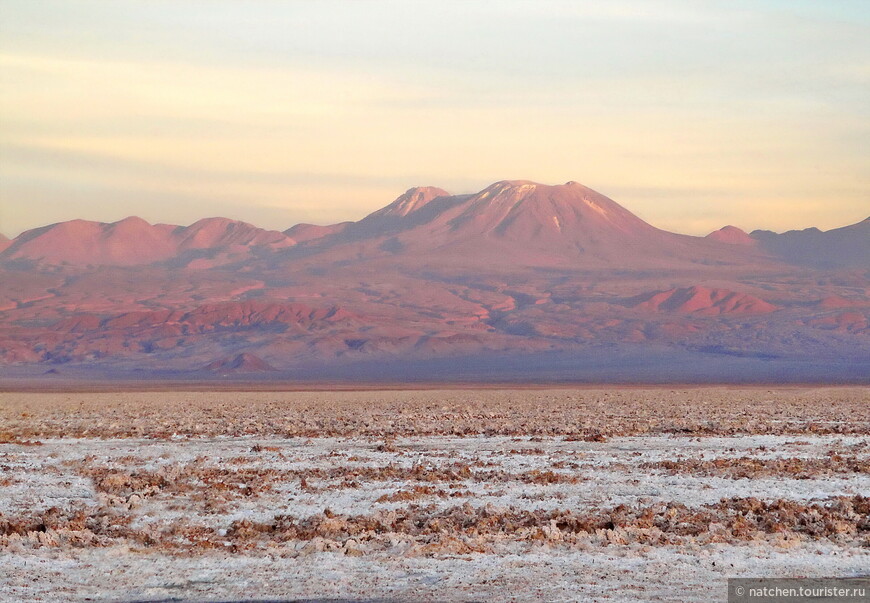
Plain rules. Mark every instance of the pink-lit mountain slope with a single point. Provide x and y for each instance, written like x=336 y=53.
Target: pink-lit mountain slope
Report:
x=519 y=223
x=211 y=233
x=309 y=232
x=133 y=241
x=732 y=235
x=705 y=301
x=413 y=200
x=519 y=280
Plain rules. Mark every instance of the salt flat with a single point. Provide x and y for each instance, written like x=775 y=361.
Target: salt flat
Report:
x=437 y=495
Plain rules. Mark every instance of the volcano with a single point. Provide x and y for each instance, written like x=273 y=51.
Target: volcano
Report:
x=515 y=222
x=413 y=200
x=519 y=280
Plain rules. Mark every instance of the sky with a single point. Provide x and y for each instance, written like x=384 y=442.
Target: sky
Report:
x=691 y=114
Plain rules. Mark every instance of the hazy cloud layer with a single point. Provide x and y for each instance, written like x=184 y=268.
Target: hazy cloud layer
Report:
x=692 y=114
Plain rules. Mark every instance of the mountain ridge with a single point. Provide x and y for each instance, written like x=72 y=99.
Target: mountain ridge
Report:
x=133 y=241
x=566 y=220
x=515 y=275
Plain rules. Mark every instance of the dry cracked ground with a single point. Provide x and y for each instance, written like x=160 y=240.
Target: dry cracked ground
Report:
x=519 y=495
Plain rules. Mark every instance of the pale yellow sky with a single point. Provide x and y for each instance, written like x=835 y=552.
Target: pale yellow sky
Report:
x=692 y=115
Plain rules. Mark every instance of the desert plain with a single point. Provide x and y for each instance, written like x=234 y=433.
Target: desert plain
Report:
x=521 y=494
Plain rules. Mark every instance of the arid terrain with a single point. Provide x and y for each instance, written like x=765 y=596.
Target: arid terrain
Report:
x=519 y=281
x=480 y=494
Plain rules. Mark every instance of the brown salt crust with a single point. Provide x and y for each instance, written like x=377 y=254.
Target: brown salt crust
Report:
x=587 y=415
x=464 y=529
x=418 y=492
x=245 y=482
x=178 y=479
x=749 y=468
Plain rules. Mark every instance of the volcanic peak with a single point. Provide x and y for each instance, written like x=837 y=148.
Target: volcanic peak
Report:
x=411 y=200
x=523 y=209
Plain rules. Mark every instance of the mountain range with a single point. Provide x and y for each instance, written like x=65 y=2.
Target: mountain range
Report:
x=520 y=281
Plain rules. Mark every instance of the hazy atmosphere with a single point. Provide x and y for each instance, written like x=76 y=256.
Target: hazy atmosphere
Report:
x=749 y=113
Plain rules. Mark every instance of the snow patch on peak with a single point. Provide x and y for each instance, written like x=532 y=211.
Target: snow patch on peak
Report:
x=513 y=187
x=412 y=200
x=595 y=207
